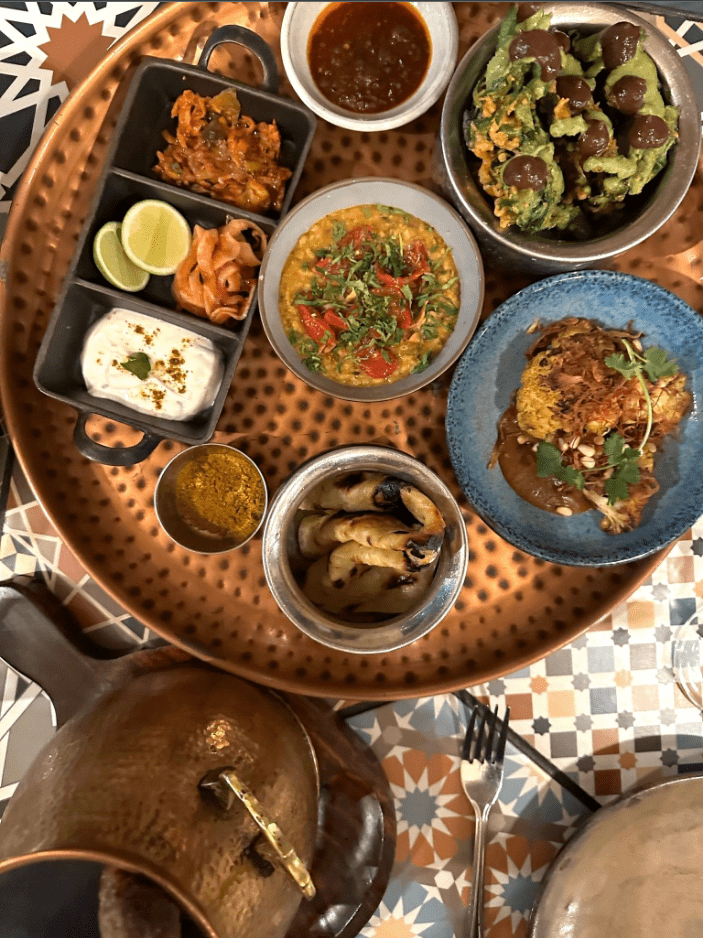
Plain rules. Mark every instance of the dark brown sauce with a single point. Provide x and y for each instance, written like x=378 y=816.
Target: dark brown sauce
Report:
x=369 y=57
x=526 y=10
x=594 y=140
x=562 y=39
x=576 y=90
x=619 y=44
x=518 y=463
x=540 y=45
x=648 y=131
x=627 y=94
x=526 y=172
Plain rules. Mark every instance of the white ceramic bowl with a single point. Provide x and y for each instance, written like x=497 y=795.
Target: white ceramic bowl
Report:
x=441 y=23
x=370 y=191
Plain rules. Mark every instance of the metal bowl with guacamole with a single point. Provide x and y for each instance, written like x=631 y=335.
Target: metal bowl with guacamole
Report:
x=570 y=133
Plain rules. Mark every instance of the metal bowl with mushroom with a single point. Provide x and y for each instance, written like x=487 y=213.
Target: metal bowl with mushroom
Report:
x=365 y=549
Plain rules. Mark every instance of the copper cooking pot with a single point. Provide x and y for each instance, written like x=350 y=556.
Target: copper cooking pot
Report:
x=195 y=780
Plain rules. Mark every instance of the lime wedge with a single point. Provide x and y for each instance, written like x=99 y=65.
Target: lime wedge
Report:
x=155 y=236
x=113 y=263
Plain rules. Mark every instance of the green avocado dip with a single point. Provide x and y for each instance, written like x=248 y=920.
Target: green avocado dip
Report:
x=568 y=128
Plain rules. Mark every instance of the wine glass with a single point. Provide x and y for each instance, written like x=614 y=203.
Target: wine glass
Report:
x=687 y=659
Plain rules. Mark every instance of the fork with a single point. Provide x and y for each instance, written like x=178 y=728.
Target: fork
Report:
x=482 y=777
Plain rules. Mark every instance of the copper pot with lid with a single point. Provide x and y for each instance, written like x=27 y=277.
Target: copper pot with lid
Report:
x=174 y=778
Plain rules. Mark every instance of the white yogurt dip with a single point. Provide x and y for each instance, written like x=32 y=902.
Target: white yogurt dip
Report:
x=178 y=372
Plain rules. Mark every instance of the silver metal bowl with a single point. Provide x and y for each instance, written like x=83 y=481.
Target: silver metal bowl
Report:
x=280 y=546
x=540 y=255
x=181 y=529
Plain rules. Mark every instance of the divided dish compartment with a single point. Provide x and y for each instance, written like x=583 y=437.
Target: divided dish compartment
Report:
x=86 y=295
x=122 y=190
x=156 y=85
x=58 y=371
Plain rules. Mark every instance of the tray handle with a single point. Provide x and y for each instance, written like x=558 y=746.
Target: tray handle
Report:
x=113 y=455
x=250 y=40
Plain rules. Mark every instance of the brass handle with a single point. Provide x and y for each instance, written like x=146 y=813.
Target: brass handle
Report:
x=225 y=782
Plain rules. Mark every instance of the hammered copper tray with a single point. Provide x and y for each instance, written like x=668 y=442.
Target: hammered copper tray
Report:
x=513 y=610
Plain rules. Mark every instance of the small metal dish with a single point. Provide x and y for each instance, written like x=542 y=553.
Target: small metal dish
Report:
x=280 y=547
x=205 y=539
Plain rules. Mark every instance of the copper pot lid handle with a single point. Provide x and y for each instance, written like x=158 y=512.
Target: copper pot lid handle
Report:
x=224 y=783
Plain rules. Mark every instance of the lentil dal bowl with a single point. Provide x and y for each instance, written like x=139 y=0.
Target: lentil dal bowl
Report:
x=371 y=289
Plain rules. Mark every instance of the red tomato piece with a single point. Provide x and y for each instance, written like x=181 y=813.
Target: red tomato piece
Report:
x=415 y=256
x=375 y=365
x=395 y=283
x=405 y=319
x=356 y=237
x=334 y=320
x=312 y=324
x=327 y=265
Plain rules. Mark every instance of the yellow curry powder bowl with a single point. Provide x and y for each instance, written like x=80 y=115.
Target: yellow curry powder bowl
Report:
x=211 y=498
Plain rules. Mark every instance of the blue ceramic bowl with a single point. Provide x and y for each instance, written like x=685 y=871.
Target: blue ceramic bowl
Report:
x=489 y=372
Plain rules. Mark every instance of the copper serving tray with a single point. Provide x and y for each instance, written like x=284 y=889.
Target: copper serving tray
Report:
x=513 y=610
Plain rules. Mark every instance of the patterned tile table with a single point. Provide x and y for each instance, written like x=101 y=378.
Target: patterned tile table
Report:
x=592 y=719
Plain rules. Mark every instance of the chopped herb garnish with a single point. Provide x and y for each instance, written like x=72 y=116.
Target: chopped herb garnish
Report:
x=339 y=229
x=423 y=363
x=369 y=294
x=549 y=463
x=627 y=470
x=623 y=459
x=655 y=362
x=391 y=210
x=138 y=363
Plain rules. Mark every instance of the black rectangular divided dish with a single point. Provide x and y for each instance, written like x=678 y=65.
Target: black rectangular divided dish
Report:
x=128 y=178
x=156 y=86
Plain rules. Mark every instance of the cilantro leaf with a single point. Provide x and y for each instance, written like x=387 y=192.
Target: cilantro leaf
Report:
x=658 y=364
x=629 y=369
x=549 y=464
x=548 y=460
x=629 y=471
x=617 y=451
x=613 y=447
x=616 y=489
x=138 y=363
x=572 y=477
